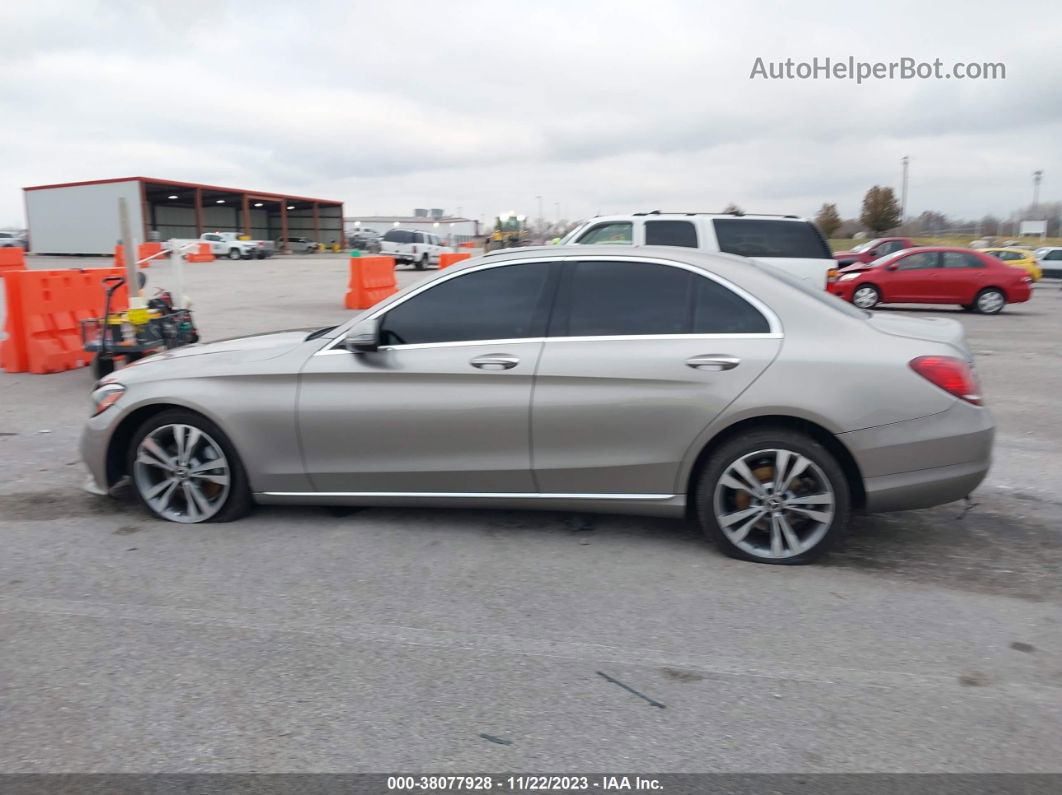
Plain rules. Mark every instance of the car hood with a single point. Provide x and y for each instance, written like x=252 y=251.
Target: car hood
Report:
x=252 y=348
x=933 y=329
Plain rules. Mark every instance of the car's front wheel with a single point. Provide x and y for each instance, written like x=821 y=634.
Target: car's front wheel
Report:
x=866 y=296
x=184 y=469
x=234 y=253
x=773 y=496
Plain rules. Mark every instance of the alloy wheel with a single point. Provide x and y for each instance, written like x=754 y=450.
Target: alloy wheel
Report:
x=774 y=504
x=865 y=297
x=990 y=302
x=182 y=473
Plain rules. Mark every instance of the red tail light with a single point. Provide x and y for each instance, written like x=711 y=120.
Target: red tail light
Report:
x=952 y=375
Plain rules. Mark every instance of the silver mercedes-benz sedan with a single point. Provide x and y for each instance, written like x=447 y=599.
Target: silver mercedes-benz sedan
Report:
x=656 y=381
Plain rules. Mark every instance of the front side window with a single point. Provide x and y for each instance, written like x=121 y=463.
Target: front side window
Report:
x=754 y=237
x=917 y=262
x=618 y=233
x=505 y=302
x=670 y=233
x=213 y=238
x=1053 y=255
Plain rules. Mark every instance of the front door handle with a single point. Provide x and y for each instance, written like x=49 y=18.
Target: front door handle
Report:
x=713 y=361
x=495 y=361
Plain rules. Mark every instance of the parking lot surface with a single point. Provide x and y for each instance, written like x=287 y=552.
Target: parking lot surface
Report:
x=301 y=639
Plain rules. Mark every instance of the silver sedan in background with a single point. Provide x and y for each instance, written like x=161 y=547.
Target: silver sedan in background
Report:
x=659 y=382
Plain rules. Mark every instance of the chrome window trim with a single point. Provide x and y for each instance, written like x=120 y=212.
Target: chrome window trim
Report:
x=487 y=495
x=773 y=322
x=602 y=338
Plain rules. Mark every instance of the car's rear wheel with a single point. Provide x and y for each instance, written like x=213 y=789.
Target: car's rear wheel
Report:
x=990 y=301
x=866 y=296
x=773 y=496
x=234 y=253
x=184 y=469
x=421 y=263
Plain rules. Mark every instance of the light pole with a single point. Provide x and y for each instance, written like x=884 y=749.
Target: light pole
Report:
x=1037 y=177
x=541 y=220
x=903 y=190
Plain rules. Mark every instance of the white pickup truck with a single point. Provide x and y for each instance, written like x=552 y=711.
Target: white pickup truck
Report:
x=419 y=249
x=229 y=244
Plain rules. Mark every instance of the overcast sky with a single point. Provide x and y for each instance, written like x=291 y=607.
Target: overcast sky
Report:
x=597 y=106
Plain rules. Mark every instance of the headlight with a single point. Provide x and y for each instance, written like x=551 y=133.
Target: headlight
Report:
x=105 y=397
x=847 y=277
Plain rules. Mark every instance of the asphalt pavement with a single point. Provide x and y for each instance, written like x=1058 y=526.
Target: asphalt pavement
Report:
x=433 y=641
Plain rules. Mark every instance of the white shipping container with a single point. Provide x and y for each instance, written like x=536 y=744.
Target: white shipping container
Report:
x=80 y=219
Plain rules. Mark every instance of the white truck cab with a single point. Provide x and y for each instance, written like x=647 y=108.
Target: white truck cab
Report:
x=231 y=245
x=788 y=242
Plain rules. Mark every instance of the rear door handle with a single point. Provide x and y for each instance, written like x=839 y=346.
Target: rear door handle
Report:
x=495 y=361
x=713 y=361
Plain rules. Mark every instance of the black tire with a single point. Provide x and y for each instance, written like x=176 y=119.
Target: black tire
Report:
x=238 y=501
x=234 y=253
x=990 y=301
x=825 y=467
x=421 y=263
x=871 y=291
x=102 y=365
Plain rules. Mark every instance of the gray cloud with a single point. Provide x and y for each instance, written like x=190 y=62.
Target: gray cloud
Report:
x=600 y=106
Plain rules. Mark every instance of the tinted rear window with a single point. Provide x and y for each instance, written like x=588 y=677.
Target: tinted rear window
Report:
x=670 y=233
x=762 y=238
x=398 y=236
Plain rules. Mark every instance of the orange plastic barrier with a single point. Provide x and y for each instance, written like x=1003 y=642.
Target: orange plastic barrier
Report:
x=144 y=250
x=204 y=254
x=44 y=313
x=468 y=244
x=448 y=258
x=372 y=279
x=12 y=258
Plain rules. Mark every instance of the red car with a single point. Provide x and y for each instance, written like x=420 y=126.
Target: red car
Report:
x=934 y=275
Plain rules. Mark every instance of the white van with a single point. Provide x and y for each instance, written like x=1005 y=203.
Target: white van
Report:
x=788 y=242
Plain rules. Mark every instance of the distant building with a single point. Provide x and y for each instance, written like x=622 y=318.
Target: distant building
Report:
x=452 y=229
x=82 y=217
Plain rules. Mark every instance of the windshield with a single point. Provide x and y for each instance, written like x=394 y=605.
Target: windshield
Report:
x=867 y=246
x=883 y=259
x=819 y=295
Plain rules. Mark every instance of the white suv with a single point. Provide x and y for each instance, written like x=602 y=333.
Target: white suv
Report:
x=786 y=241
x=413 y=247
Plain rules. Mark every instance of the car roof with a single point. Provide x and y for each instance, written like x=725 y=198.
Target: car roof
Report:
x=1006 y=248
x=672 y=215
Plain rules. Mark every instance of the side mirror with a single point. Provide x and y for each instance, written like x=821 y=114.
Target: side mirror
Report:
x=364 y=337
x=891 y=266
